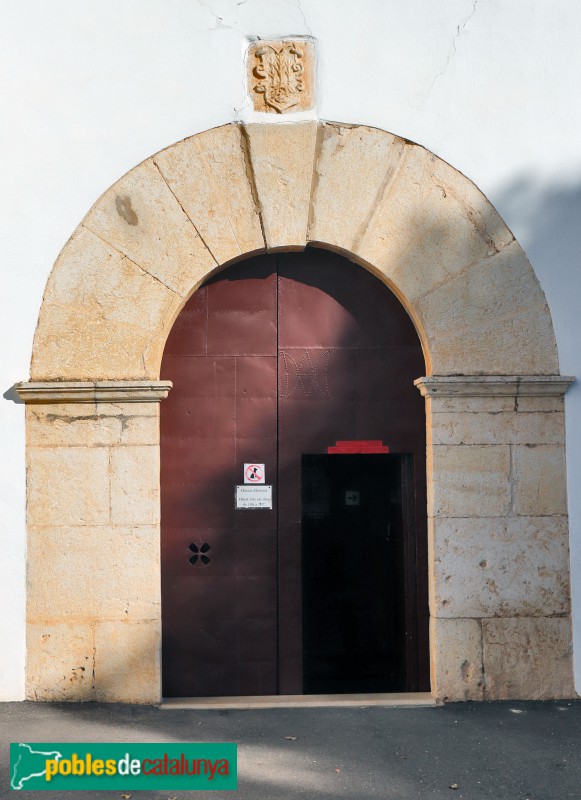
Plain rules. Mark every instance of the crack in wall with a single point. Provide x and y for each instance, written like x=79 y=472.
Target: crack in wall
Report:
x=218 y=20
x=299 y=8
x=233 y=25
x=460 y=28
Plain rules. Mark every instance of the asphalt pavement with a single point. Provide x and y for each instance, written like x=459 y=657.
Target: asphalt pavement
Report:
x=460 y=751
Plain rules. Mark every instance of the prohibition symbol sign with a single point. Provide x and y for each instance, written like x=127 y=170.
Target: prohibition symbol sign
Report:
x=253 y=473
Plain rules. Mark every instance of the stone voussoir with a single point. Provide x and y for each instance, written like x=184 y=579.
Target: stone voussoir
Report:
x=282 y=160
x=209 y=175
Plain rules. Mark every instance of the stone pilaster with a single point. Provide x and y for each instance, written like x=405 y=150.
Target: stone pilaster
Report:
x=93 y=610
x=498 y=537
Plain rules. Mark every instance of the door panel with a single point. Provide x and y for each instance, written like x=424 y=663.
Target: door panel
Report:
x=219 y=617
x=348 y=356
x=275 y=358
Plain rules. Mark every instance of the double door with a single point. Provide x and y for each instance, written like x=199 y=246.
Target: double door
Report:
x=273 y=361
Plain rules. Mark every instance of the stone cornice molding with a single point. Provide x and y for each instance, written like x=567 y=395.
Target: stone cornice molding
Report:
x=494 y=385
x=137 y=391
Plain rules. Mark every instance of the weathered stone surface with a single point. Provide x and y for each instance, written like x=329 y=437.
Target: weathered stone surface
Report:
x=528 y=658
x=282 y=159
x=281 y=75
x=456 y=659
x=135 y=486
x=431 y=224
x=498 y=346
x=140 y=217
x=539 y=480
x=92 y=392
x=469 y=405
x=470 y=481
x=91 y=425
x=99 y=315
x=59 y=662
x=540 y=404
x=87 y=574
x=139 y=425
x=498 y=428
x=492 y=386
x=484 y=320
x=493 y=405
x=500 y=567
x=127 y=662
x=355 y=166
x=68 y=486
x=208 y=174
x=74 y=424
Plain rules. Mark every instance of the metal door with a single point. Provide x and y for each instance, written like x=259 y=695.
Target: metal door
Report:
x=274 y=358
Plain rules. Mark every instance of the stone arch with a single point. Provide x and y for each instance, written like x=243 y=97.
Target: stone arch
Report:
x=496 y=470
x=224 y=194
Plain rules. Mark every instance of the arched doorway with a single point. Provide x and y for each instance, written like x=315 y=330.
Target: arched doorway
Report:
x=498 y=564
x=273 y=362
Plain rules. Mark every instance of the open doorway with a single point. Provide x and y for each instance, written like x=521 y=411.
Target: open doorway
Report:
x=357 y=523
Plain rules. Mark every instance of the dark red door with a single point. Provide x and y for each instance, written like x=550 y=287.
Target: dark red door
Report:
x=276 y=358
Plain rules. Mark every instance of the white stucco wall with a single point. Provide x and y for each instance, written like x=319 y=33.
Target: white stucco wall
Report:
x=90 y=89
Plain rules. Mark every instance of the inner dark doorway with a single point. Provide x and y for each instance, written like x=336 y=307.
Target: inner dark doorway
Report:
x=274 y=359
x=357 y=513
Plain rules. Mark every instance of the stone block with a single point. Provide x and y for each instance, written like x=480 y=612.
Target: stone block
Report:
x=498 y=428
x=135 y=486
x=469 y=405
x=59 y=662
x=430 y=225
x=140 y=217
x=540 y=404
x=91 y=424
x=516 y=566
x=128 y=662
x=528 y=658
x=68 y=486
x=524 y=341
x=209 y=175
x=490 y=318
x=93 y=573
x=282 y=159
x=354 y=167
x=102 y=317
x=70 y=424
x=539 y=480
x=139 y=425
x=469 y=481
x=456 y=659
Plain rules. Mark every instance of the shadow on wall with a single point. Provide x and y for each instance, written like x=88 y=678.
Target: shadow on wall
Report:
x=10 y=394
x=547 y=222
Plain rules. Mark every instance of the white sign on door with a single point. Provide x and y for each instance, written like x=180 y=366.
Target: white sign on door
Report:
x=254 y=473
x=253 y=497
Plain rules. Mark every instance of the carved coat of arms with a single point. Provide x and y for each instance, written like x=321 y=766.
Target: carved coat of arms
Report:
x=280 y=70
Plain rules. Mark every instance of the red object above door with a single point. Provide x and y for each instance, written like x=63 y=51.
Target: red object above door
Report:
x=354 y=447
